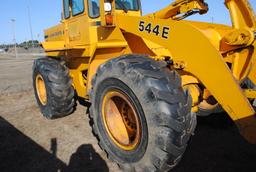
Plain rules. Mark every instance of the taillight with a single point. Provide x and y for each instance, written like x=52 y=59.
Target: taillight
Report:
x=109 y=19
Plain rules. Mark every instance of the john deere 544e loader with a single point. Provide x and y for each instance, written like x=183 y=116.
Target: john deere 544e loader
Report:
x=147 y=77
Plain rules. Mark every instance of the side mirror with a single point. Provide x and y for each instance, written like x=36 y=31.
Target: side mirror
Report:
x=107 y=7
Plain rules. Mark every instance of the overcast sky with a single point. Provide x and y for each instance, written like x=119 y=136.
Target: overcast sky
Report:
x=46 y=13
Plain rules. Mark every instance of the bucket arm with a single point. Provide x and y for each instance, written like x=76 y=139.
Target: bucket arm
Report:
x=181 y=9
x=243 y=17
x=189 y=46
x=243 y=37
x=242 y=14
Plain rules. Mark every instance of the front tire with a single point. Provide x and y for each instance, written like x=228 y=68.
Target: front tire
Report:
x=155 y=96
x=53 y=88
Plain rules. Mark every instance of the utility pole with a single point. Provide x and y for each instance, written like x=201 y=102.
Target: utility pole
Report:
x=14 y=37
x=30 y=26
x=26 y=42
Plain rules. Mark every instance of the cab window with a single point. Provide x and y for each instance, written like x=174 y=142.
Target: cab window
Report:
x=77 y=7
x=94 y=8
x=66 y=9
x=132 y=5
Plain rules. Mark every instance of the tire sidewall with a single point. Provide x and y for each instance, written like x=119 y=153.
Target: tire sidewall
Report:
x=123 y=156
x=38 y=70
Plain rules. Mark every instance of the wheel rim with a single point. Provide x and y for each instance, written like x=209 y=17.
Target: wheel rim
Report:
x=121 y=120
x=41 y=89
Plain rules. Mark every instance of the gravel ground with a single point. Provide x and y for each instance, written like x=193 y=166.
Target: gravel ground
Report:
x=29 y=142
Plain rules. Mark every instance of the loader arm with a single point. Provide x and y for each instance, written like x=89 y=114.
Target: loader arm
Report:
x=244 y=25
x=180 y=9
x=201 y=59
x=198 y=58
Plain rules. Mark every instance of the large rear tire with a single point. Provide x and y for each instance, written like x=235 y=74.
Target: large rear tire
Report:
x=140 y=113
x=53 y=88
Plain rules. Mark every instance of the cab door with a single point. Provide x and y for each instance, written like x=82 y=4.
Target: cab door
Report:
x=76 y=21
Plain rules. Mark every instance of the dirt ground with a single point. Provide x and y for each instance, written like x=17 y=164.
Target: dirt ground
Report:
x=29 y=142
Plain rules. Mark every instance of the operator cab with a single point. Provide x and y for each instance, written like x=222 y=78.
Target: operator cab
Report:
x=92 y=7
x=83 y=19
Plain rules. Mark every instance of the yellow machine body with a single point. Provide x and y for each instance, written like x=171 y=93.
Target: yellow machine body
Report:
x=212 y=59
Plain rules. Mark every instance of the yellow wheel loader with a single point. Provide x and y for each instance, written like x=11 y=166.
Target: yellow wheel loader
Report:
x=148 y=77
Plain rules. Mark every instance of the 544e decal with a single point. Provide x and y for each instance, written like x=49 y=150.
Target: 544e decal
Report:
x=162 y=31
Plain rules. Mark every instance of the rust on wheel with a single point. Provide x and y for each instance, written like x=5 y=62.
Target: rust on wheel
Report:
x=121 y=120
x=41 y=89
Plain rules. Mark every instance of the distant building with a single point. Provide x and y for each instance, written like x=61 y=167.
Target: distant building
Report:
x=1 y=50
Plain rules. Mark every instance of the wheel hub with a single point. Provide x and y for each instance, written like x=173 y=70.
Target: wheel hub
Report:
x=41 y=89
x=121 y=120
